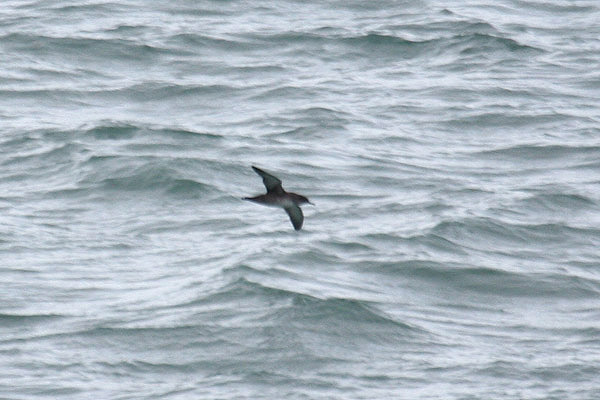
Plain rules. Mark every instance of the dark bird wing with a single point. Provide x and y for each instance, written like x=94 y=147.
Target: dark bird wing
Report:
x=272 y=183
x=296 y=216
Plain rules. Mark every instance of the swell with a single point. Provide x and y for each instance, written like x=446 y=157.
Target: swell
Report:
x=147 y=176
x=106 y=157
x=539 y=152
x=553 y=203
x=464 y=280
x=476 y=40
x=284 y=306
x=240 y=320
x=145 y=92
x=90 y=48
x=491 y=230
x=20 y=320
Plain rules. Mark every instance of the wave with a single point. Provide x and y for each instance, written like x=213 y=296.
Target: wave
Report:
x=558 y=202
x=19 y=320
x=485 y=44
x=51 y=154
x=391 y=45
x=489 y=281
x=117 y=130
x=147 y=176
x=84 y=48
x=539 y=152
x=511 y=119
x=557 y=8
x=385 y=46
x=204 y=42
x=286 y=306
x=487 y=230
x=109 y=156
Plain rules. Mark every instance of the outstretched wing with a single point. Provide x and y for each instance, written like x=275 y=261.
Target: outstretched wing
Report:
x=296 y=216
x=272 y=183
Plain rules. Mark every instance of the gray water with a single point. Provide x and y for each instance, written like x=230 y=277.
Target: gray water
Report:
x=452 y=150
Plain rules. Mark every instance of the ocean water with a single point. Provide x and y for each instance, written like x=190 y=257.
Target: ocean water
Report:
x=452 y=149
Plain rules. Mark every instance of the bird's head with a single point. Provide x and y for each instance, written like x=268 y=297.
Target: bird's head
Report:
x=301 y=199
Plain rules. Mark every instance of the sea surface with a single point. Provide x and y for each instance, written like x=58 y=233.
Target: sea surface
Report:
x=452 y=149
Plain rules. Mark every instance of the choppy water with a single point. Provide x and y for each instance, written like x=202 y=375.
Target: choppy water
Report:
x=452 y=149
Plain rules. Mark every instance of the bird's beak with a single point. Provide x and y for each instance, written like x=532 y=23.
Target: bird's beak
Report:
x=311 y=203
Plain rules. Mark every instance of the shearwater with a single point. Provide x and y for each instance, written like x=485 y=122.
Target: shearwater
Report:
x=277 y=197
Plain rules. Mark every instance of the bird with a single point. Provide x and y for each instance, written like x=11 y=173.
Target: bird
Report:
x=277 y=197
